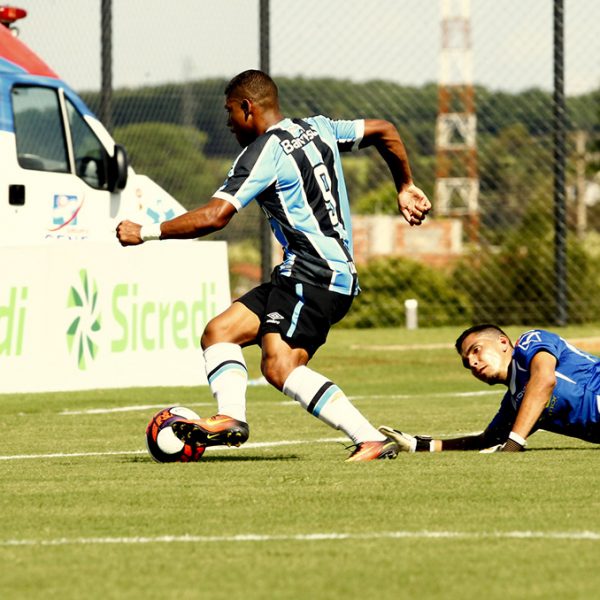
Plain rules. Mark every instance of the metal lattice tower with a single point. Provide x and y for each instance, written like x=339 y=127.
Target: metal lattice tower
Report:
x=457 y=184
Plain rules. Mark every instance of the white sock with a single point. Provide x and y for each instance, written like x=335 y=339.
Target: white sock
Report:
x=325 y=400
x=227 y=376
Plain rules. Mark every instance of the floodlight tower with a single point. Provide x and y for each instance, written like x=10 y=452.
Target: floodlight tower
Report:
x=457 y=184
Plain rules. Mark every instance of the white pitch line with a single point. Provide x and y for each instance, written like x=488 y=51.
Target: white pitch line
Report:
x=436 y=395
x=592 y=536
x=141 y=407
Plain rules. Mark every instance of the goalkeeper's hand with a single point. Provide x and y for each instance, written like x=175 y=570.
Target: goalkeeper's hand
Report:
x=407 y=442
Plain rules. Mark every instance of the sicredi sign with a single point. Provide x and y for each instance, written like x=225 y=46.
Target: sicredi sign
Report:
x=84 y=316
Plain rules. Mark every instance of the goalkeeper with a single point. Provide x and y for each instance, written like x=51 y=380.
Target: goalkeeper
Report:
x=552 y=385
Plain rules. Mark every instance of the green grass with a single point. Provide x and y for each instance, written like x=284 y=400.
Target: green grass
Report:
x=77 y=513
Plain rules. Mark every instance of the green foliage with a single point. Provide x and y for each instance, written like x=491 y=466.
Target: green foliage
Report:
x=379 y=201
x=387 y=282
x=517 y=284
x=173 y=156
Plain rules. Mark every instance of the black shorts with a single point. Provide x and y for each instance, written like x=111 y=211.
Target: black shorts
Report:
x=300 y=312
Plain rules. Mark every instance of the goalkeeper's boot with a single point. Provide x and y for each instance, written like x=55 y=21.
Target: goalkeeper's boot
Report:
x=219 y=430
x=364 y=451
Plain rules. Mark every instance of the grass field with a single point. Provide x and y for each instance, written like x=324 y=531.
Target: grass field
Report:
x=85 y=513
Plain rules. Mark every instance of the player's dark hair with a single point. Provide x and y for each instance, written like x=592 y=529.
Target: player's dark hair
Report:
x=476 y=329
x=255 y=85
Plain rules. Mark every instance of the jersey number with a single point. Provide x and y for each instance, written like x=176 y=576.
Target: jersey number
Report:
x=324 y=181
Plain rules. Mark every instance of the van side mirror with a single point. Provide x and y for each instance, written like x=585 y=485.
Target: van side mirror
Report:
x=117 y=169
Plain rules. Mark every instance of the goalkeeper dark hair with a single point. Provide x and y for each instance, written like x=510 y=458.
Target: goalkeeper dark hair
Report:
x=477 y=329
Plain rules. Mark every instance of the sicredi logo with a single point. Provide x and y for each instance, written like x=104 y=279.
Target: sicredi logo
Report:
x=133 y=321
x=82 y=334
x=148 y=324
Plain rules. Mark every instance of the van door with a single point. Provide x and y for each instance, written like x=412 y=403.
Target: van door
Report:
x=92 y=165
x=49 y=198
x=60 y=173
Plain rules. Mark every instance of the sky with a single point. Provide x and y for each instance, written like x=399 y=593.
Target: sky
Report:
x=155 y=41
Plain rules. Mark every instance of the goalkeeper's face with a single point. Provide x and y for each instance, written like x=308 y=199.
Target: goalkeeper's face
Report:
x=487 y=355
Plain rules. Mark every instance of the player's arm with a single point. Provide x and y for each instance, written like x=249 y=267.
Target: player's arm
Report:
x=201 y=221
x=413 y=204
x=424 y=443
x=538 y=393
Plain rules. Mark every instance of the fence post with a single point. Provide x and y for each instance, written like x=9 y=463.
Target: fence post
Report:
x=559 y=127
x=265 y=59
x=106 y=63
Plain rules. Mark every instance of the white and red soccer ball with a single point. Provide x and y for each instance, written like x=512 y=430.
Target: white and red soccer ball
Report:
x=163 y=445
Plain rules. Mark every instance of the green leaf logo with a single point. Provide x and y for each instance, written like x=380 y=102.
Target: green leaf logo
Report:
x=83 y=330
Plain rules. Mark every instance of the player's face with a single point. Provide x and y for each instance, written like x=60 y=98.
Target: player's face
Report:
x=240 y=121
x=487 y=356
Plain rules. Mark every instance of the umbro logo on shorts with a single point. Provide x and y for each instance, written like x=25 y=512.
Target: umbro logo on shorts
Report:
x=274 y=317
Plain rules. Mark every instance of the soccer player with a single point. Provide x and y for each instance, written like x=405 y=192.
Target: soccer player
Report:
x=552 y=385
x=292 y=168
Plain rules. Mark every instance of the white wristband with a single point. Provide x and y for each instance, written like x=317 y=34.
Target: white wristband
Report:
x=150 y=232
x=515 y=437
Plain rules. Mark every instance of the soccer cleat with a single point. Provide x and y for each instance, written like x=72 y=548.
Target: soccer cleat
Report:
x=364 y=451
x=219 y=430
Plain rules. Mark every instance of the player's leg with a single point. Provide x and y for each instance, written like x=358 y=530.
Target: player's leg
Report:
x=226 y=372
x=304 y=316
x=227 y=377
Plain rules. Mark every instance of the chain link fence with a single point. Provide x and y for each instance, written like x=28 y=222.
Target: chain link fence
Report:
x=489 y=250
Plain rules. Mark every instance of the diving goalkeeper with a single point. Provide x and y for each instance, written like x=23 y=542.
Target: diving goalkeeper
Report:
x=552 y=385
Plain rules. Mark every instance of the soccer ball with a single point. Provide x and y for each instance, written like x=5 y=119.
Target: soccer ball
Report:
x=163 y=445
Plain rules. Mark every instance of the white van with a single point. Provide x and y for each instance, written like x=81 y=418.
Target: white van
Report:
x=62 y=177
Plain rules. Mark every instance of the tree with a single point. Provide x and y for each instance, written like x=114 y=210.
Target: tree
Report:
x=173 y=156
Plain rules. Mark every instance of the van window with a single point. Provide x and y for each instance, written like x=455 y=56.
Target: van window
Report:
x=91 y=160
x=38 y=129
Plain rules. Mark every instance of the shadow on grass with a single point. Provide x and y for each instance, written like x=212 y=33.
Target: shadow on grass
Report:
x=210 y=459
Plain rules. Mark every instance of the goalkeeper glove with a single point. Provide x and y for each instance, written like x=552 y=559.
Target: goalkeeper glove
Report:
x=407 y=442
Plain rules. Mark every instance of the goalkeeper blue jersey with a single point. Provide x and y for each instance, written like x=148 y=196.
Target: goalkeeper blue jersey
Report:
x=294 y=172
x=573 y=409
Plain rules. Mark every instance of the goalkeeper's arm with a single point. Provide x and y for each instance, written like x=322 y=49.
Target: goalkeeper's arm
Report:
x=467 y=442
x=421 y=443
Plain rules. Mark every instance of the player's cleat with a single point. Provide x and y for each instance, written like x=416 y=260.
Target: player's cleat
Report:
x=219 y=430
x=364 y=451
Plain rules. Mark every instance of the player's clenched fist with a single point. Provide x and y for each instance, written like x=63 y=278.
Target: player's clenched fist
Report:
x=413 y=204
x=129 y=233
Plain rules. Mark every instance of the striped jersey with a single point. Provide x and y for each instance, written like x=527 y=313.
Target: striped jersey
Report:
x=294 y=172
x=574 y=407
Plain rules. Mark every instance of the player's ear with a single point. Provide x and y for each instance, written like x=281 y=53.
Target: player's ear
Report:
x=245 y=105
x=504 y=343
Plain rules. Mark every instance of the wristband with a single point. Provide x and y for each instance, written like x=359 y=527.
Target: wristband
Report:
x=424 y=443
x=515 y=437
x=150 y=232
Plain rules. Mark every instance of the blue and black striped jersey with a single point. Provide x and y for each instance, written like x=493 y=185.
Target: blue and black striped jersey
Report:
x=294 y=172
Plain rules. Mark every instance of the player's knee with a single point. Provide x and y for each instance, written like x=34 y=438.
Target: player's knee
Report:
x=215 y=331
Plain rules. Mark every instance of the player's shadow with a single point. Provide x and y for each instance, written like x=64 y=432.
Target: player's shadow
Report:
x=219 y=458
